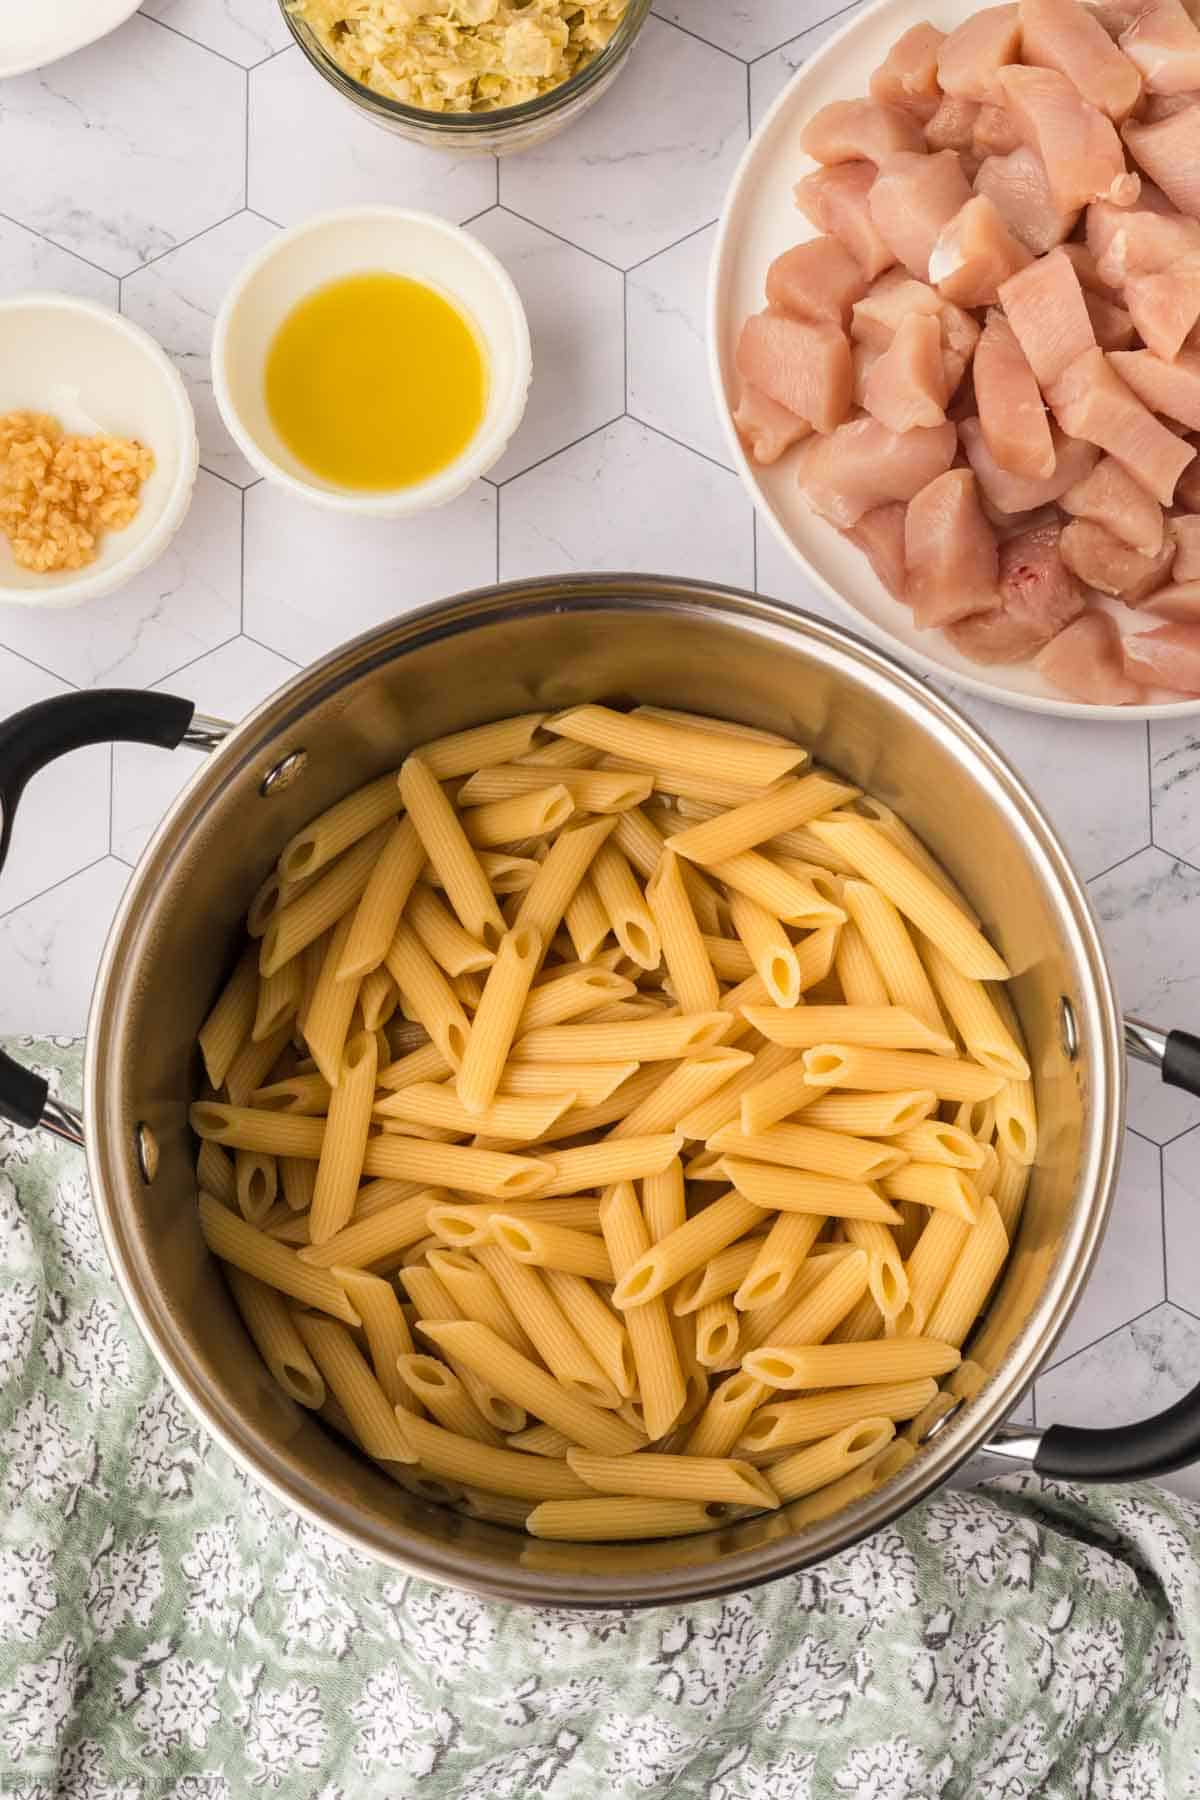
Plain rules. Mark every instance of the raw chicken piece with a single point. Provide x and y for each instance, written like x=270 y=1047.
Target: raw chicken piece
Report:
x=853 y=130
x=863 y=465
x=1011 y=414
x=1076 y=142
x=800 y=365
x=1047 y=310
x=1172 y=388
x=1085 y=661
x=1062 y=35
x=1019 y=188
x=994 y=133
x=876 y=320
x=863 y=358
x=1180 y=602
x=1087 y=274
x=913 y=198
x=949 y=552
x=907 y=77
x=879 y=534
x=1103 y=562
x=1116 y=16
x=1187 y=490
x=1112 y=326
x=1165 y=45
x=952 y=126
x=1153 y=107
x=1038 y=596
x=1170 y=154
x=766 y=428
x=1010 y=493
x=1090 y=401
x=1168 y=656
x=1110 y=496
x=974 y=53
x=836 y=201
x=1140 y=239
x=1164 y=307
x=1185 y=535
x=974 y=253
x=906 y=385
x=816 y=280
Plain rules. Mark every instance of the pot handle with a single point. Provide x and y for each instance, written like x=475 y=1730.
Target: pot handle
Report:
x=1176 y=1054
x=28 y=742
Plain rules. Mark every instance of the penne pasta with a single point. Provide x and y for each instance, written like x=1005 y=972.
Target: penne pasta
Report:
x=554 y=1338
x=353 y=1385
x=465 y=1226
x=724 y=1417
x=267 y=1318
x=893 y=953
x=331 y=1006
x=892 y=827
x=777 y=1259
x=652 y=1040
x=590 y=790
x=390 y=885
x=231 y=1021
x=935 y=1185
x=832 y=1459
x=495 y=1023
x=1012 y=1180
x=820 y=1152
x=544 y=903
x=975 y=1017
x=307 y=1095
x=338 y=827
x=425 y=990
x=722 y=1274
x=886 y=1276
x=717 y=1328
x=314 y=909
x=616 y=1518
x=794 y=1190
x=857 y=971
x=476 y=1295
x=970 y=1280
x=602 y=1331
x=769 y=948
x=785 y=896
x=709 y=1116
x=656 y=742
x=688 y=1085
x=552 y=1246
x=661 y=1265
x=1016 y=1121
x=386 y=1328
x=298 y=1180
x=445 y=1454
x=882 y=1071
x=872 y=1027
x=540 y=1440
x=792 y=802
x=684 y=948
x=555 y=1001
x=664 y=1200
x=463 y=752
x=870 y=1115
x=490 y=1172
x=345 y=1141
x=523 y=817
x=625 y=907
x=660 y=1376
x=784 y=1422
x=931 y=1259
x=235 y=1241
x=381 y=1234
x=248 y=1128
x=215 y=1173
x=436 y=1388
x=449 y=850
x=278 y=1000
x=675 y=1477
x=454 y=950
x=850 y=1365
x=936 y=1141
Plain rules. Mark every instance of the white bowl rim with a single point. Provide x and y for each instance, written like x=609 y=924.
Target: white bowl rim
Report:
x=928 y=666
x=94 y=584
x=479 y=455
x=122 y=12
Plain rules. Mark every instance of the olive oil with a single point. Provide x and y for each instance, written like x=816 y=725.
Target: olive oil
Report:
x=376 y=381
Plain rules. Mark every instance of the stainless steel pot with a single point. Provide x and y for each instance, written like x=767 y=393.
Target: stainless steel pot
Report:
x=511 y=650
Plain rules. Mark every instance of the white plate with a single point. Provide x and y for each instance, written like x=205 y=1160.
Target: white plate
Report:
x=760 y=220
x=36 y=32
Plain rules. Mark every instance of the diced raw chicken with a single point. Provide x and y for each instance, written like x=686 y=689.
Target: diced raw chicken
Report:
x=863 y=465
x=863 y=358
x=1164 y=307
x=1087 y=274
x=1062 y=35
x=1010 y=493
x=1169 y=151
x=1046 y=308
x=1172 y=388
x=1038 y=596
x=994 y=133
x=1013 y=525
x=1185 y=535
x=1110 y=496
x=1187 y=490
x=879 y=534
x=1153 y=107
x=876 y=320
x=1019 y=188
x=1116 y=16
x=1112 y=327
x=949 y=552
x=766 y=428
x=1165 y=45
x=975 y=51
x=974 y=253
x=1180 y=602
x=952 y=126
x=906 y=385
x=1168 y=656
x=1090 y=401
x=816 y=280
x=1077 y=143
x=907 y=77
x=860 y=130
x=913 y=197
x=836 y=200
x=1103 y=562
x=799 y=364
x=1085 y=661
x=1011 y=414
x=1140 y=239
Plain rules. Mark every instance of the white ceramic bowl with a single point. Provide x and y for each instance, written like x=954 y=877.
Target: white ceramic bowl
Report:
x=95 y=371
x=759 y=220
x=358 y=240
x=33 y=35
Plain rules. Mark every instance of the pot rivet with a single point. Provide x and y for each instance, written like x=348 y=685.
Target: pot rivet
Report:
x=1068 y=1030
x=281 y=777
x=146 y=1147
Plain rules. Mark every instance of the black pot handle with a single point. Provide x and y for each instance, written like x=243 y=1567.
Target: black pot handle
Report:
x=30 y=740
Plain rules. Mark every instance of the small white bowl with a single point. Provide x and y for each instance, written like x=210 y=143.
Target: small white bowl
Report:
x=95 y=371
x=32 y=36
x=359 y=240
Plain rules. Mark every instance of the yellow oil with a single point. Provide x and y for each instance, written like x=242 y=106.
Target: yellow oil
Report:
x=376 y=381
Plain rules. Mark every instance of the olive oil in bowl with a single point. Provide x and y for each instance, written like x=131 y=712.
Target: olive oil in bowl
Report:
x=376 y=381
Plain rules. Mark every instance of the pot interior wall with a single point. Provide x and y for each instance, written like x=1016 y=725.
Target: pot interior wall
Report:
x=355 y=716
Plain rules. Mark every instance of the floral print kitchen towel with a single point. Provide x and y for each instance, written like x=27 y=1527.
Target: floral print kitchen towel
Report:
x=168 y=1633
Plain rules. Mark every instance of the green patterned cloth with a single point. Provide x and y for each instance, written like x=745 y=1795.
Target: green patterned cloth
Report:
x=168 y=1633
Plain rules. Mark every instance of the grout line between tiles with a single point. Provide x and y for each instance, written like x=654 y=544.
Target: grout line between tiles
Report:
x=197 y=43
x=673 y=245
x=1103 y=1338
x=53 y=887
x=573 y=445
x=674 y=25
x=570 y=243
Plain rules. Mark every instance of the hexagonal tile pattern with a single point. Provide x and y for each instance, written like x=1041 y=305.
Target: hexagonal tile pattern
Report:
x=1127 y=1376
x=1128 y=1276
x=246 y=31
x=310 y=150
x=1181 y=1219
x=63 y=820
x=771 y=74
x=316 y=578
x=575 y=307
x=126 y=148
x=746 y=28
x=50 y=948
x=28 y=261
x=184 y=604
x=669 y=385
x=626 y=498
x=649 y=162
x=229 y=683
x=1175 y=786
x=779 y=577
x=1148 y=910
x=176 y=300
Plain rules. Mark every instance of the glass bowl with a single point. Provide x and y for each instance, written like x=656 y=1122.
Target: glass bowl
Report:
x=500 y=132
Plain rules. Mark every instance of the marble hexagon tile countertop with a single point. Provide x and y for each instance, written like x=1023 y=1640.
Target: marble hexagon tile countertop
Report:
x=154 y=163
